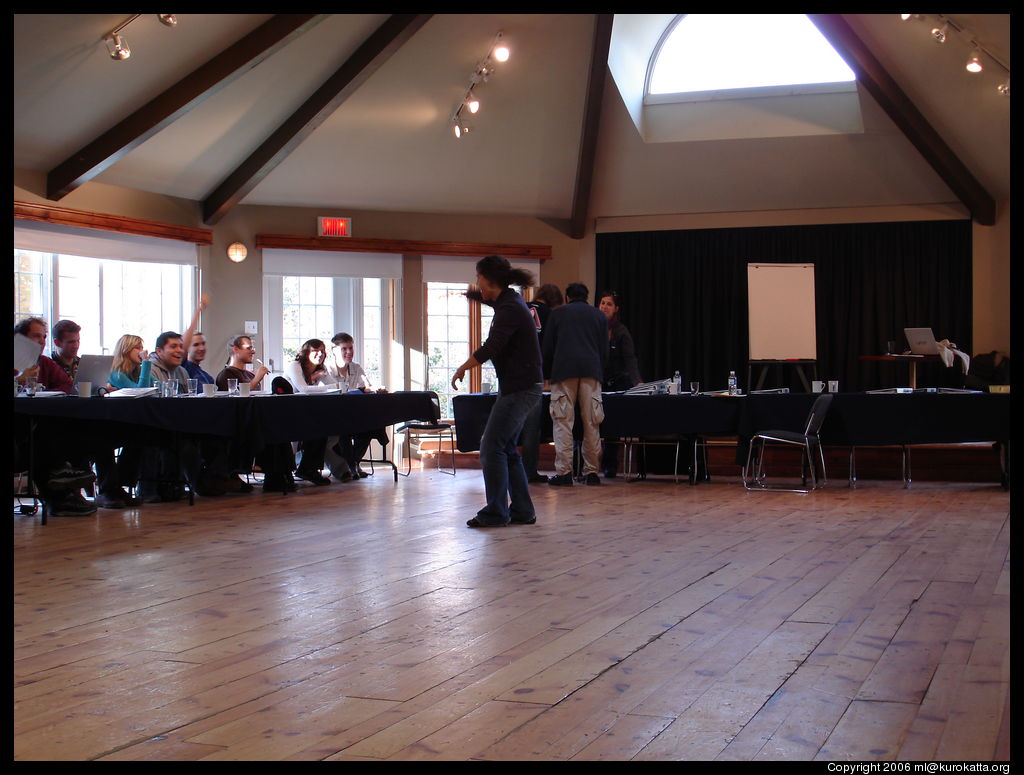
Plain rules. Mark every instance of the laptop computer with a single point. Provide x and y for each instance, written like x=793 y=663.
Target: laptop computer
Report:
x=921 y=341
x=94 y=369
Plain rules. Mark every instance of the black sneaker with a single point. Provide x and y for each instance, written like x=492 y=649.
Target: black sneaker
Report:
x=313 y=477
x=67 y=477
x=562 y=480
x=592 y=479
x=537 y=478
x=109 y=501
x=71 y=505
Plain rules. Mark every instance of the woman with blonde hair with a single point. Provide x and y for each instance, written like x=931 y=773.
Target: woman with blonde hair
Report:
x=131 y=366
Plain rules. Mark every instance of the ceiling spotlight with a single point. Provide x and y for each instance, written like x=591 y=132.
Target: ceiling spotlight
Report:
x=168 y=19
x=908 y=16
x=501 y=51
x=939 y=33
x=974 y=63
x=118 y=47
x=460 y=128
x=472 y=102
x=1004 y=87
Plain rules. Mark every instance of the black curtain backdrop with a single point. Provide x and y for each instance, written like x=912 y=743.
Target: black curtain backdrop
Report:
x=684 y=296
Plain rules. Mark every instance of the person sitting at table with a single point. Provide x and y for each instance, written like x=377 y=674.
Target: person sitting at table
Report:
x=276 y=461
x=48 y=375
x=67 y=339
x=195 y=347
x=621 y=371
x=131 y=366
x=241 y=354
x=305 y=372
x=58 y=480
x=345 y=453
x=161 y=468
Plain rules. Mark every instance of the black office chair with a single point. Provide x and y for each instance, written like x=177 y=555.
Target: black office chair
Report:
x=427 y=428
x=809 y=441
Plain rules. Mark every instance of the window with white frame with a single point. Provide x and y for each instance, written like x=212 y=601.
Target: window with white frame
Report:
x=106 y=296
x=317 y=294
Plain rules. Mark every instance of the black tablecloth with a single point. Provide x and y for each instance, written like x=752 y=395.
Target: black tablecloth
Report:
x=254 y=420
x=854 y=419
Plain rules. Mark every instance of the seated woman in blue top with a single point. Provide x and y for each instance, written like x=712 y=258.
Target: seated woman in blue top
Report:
x=131 y=366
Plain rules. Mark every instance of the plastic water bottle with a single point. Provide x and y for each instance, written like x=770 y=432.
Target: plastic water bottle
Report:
x=677 y=380
x=732 y=383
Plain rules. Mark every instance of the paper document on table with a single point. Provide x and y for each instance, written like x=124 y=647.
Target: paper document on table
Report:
x=26 y=352
x=132 y=392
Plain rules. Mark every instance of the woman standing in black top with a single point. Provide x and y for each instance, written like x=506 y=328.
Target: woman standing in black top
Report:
x=513 y=348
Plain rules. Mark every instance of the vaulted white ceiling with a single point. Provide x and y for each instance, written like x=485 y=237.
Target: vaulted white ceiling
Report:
x=389 y=145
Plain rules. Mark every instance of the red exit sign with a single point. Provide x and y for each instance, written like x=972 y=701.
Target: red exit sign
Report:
x=334 y=227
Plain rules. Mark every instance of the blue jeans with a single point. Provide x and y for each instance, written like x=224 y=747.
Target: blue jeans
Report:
x=504 y=475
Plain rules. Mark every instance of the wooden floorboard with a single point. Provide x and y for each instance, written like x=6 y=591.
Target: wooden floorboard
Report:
x=635 y=621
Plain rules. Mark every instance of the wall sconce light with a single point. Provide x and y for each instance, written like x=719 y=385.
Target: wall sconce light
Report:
x=237 y=252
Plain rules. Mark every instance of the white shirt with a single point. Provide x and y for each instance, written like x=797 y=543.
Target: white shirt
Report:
x=354 y=374
x=293 y=373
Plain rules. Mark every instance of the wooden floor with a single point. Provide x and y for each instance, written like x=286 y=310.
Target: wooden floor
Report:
x=645 y=621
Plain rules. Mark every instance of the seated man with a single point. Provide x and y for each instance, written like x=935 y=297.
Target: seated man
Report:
x=67 y=338
x=58 y=481
x=196 y=354
x=195 y=347
x=277 y=461
x=47 y=373
x=343 y=454
x=160 y=471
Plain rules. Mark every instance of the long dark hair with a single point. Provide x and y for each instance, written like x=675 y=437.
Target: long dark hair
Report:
x=550 y=294
x=499 y=271
x=303 y=356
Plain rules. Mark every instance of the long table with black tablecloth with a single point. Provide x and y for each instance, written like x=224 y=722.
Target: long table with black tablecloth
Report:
x=854 y=419
x=254 y=421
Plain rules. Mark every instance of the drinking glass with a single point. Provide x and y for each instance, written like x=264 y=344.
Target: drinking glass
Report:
x=170 y=388
x=694 y=388
x=232 y=387
x=193 y=387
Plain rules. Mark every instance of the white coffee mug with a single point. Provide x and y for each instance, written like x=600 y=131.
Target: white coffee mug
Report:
x=84 y=389
x=817 y=386
x=209 y=389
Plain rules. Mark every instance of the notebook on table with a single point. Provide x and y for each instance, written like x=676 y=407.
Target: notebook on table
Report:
x=94 y=369
x=921 y=341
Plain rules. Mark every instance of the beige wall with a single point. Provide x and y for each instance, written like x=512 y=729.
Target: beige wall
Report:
x=236 y=289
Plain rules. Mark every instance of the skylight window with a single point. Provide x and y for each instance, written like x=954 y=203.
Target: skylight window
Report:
x=714 y=52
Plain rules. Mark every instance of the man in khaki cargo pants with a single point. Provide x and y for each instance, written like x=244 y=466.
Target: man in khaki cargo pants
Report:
x=575 y=353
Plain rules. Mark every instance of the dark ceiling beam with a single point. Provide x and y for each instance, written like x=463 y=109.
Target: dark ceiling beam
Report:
x=591 y=122
x=191 y=90
x=373 y=53
x=883 y=87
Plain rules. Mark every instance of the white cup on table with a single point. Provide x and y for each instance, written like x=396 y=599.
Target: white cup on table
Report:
x=243 y=388
x=209 y=389
x=833 y=386
x=817 y=386
x=84 y=389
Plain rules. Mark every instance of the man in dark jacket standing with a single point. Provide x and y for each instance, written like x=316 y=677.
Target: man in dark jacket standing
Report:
x=575 y=353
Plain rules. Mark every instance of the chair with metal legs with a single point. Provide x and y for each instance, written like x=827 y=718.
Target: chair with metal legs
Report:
x=427 y=428
x=809 y=442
